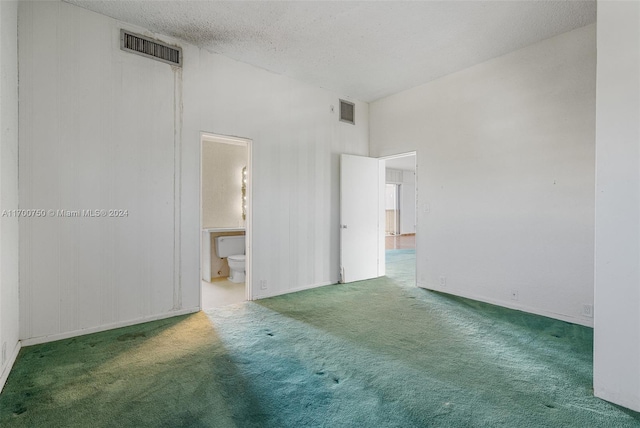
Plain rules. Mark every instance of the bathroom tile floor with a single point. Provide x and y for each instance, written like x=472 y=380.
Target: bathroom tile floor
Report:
x=221 y=292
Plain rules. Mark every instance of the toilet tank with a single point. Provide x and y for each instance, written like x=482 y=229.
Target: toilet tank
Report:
x=229 y=245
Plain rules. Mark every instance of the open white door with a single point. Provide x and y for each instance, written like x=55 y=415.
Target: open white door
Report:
x=361 y=218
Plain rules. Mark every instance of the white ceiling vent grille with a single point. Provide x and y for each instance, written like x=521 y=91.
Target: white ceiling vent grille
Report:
x=150 y=48
x=347 y=112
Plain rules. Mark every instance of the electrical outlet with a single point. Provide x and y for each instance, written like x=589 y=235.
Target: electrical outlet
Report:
x=4 y=353
x=587 y=311
x=263 y=284
x=443 y=281
x=514 y=294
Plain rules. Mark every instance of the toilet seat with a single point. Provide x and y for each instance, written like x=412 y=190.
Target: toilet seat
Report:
x=236 y=267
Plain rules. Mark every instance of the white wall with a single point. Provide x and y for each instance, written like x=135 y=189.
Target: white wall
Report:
x=96 y=132
x=617 y=252
x=506 y=168
x=222 y=184
x=9 y=330
x=296 y=147
x=101 y=128
x=408 y=203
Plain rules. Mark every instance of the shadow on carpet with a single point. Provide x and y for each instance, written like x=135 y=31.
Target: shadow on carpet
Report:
x=379 y=353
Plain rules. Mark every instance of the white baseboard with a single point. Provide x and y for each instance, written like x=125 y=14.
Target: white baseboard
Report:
x=617 y=398
x=258 y=296
x=9 y=365
x=105 y=327
x=512 y=305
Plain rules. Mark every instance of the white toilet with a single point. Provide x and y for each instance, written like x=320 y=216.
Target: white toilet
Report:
x=232 y=247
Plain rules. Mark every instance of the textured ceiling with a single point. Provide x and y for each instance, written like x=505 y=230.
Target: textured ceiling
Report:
x=365 y=50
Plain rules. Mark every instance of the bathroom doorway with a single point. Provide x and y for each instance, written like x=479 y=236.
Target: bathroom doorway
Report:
x=400 y=216
x=225 y=220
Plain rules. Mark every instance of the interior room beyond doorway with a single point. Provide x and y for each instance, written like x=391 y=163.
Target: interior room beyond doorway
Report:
x=400 y=203
x=224 y=227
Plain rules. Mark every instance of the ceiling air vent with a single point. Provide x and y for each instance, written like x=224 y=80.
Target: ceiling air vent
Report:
x=347 y=112
x=150 y=48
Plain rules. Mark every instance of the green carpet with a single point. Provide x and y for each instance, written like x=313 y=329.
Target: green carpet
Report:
x=377 y=353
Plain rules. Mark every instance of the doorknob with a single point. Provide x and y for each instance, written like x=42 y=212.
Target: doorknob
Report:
x=344 y=226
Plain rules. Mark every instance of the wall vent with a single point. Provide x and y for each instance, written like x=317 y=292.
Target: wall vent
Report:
x=150 y=48
x=347 y=112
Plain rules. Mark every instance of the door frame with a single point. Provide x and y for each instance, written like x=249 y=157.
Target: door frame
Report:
x=228 y=139
x=403 y=155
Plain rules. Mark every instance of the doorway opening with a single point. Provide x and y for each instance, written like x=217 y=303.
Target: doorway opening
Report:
x=225 y=220
x=400 y=215
x=392 y=209
x=366 y=250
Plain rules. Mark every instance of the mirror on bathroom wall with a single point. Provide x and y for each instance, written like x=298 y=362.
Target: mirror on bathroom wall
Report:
x=223 y=185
